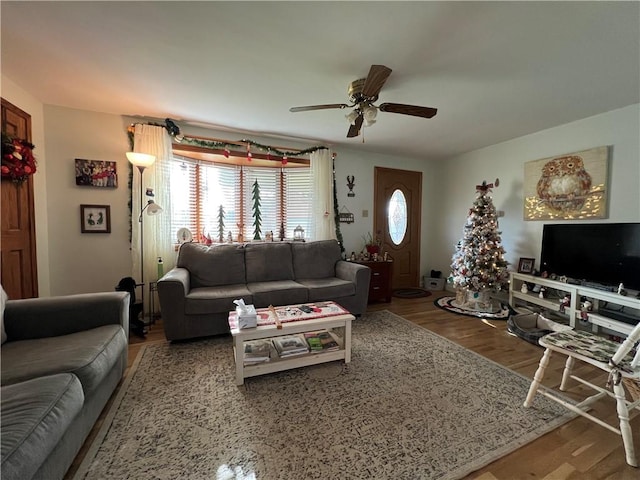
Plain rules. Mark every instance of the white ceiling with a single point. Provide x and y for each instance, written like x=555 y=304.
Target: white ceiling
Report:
x=494 y=70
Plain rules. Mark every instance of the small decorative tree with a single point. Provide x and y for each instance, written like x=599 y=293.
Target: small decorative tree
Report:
x=221 y=223
x=478 y=264
x=257 y=217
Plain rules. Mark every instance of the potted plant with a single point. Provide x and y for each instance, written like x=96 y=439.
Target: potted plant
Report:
x=372 y=246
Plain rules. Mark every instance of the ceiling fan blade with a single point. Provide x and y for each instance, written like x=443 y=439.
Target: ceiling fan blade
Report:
x=354 y=130
x=318 y=107
x=425 y=112
x=376 y=79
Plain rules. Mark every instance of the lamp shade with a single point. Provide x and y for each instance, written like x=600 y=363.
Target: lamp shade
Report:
x=140 y=159
x=153 y=208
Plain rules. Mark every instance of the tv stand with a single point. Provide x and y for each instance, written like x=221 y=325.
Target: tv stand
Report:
x=598 y=317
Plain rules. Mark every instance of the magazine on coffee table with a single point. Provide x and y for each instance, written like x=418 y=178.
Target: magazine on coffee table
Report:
x=289 y=345
x=257 y=351
x=321 y=341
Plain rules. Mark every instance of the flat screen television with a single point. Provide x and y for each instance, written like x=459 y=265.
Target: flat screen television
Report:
x=603 y=253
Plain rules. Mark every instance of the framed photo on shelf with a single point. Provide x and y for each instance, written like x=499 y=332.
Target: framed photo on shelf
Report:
x=95 y=218
x=525 y=265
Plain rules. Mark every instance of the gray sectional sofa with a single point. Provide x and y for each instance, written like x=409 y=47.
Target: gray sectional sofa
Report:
x=197 y=295
x=62 y=359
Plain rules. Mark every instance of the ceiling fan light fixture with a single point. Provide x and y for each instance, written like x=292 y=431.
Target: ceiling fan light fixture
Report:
x=352 y=116
x=369 y=113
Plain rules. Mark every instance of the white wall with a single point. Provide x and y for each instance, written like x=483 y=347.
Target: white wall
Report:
x=30 y=104
x=361 y=165
x=85 y=262
x=619 y=129
x=82 y=263
x=71 y=262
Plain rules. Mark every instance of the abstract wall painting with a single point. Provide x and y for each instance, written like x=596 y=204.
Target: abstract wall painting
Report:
x=567 y=187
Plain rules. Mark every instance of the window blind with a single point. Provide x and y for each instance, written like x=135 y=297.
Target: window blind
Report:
x=198 y=189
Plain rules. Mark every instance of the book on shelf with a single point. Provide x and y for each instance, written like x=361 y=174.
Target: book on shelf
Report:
x=289 y=345
x=321 y=341
x=257 y=351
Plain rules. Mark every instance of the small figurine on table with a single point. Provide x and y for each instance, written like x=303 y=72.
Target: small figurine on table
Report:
x=564 y=303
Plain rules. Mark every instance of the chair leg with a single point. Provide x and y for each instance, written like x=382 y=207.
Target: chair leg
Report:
x=537 y=378
x=625 y=427
x=568 y=367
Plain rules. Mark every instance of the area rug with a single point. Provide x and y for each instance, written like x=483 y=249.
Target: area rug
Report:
x=411 y=293
x=410 y=405
x=449 y=304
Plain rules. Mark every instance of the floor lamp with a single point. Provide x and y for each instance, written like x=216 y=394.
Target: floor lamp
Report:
x=142 y=161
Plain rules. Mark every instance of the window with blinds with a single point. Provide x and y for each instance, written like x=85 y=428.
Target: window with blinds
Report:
x=200 y=189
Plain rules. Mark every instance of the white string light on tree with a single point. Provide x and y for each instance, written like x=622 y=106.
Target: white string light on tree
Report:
x=478 y=265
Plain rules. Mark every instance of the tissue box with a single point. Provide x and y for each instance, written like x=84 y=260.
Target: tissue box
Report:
x=247 y=317
x=433 y=283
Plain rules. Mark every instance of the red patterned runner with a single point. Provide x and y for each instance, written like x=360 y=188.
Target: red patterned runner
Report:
x=294 y=313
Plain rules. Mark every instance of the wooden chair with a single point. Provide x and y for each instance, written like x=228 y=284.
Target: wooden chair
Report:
x=620 y=361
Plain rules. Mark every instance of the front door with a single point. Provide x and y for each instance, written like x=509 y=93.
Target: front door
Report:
x=19 y=270
x=397 y=213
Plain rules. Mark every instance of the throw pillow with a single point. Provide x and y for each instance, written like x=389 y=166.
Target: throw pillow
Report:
x=3 y=300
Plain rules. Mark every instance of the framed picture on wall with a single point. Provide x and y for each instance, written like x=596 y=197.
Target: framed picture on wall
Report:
x=567 y=187
x=525 y=265
x=95 y=218
x=96 y=173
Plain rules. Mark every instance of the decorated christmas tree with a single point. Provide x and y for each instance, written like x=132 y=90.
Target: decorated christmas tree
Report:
x=221 y=223
x=478 y=264
x=257 y=217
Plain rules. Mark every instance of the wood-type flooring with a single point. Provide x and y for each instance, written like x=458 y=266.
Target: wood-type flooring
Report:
x=579 y=450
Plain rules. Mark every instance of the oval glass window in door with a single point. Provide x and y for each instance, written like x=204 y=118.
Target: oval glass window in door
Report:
x=397 y=217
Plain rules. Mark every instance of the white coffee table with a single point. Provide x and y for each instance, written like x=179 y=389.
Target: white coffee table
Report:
x=331 y=317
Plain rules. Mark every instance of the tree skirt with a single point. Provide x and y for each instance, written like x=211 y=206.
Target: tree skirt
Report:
x=411 y=293
x=501 y=311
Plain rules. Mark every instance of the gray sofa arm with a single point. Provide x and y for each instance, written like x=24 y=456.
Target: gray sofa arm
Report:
x=353 y=272
x=53 y=316
x=173 y=288
x=360 y=275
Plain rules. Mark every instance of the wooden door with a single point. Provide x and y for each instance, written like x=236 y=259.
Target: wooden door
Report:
x=404 y=249
x=18 y=248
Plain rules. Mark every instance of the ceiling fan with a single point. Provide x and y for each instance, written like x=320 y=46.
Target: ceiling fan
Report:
x=362 y=94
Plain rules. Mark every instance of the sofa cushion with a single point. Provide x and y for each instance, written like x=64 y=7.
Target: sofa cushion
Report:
x=214 y=265
x=327 y=288
x=35 y=416
x=206 y=300
x=267 y=262
x=284 y=292
x=90 y=355
x=315 y=259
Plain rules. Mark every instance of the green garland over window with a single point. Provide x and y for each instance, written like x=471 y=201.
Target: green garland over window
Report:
x=174 y=131
x=336 y=212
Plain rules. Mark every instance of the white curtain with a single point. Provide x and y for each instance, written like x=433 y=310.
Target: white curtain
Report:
x=155 y=141
x=322 y=180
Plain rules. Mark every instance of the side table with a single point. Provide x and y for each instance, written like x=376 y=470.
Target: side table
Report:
x=380 y=284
